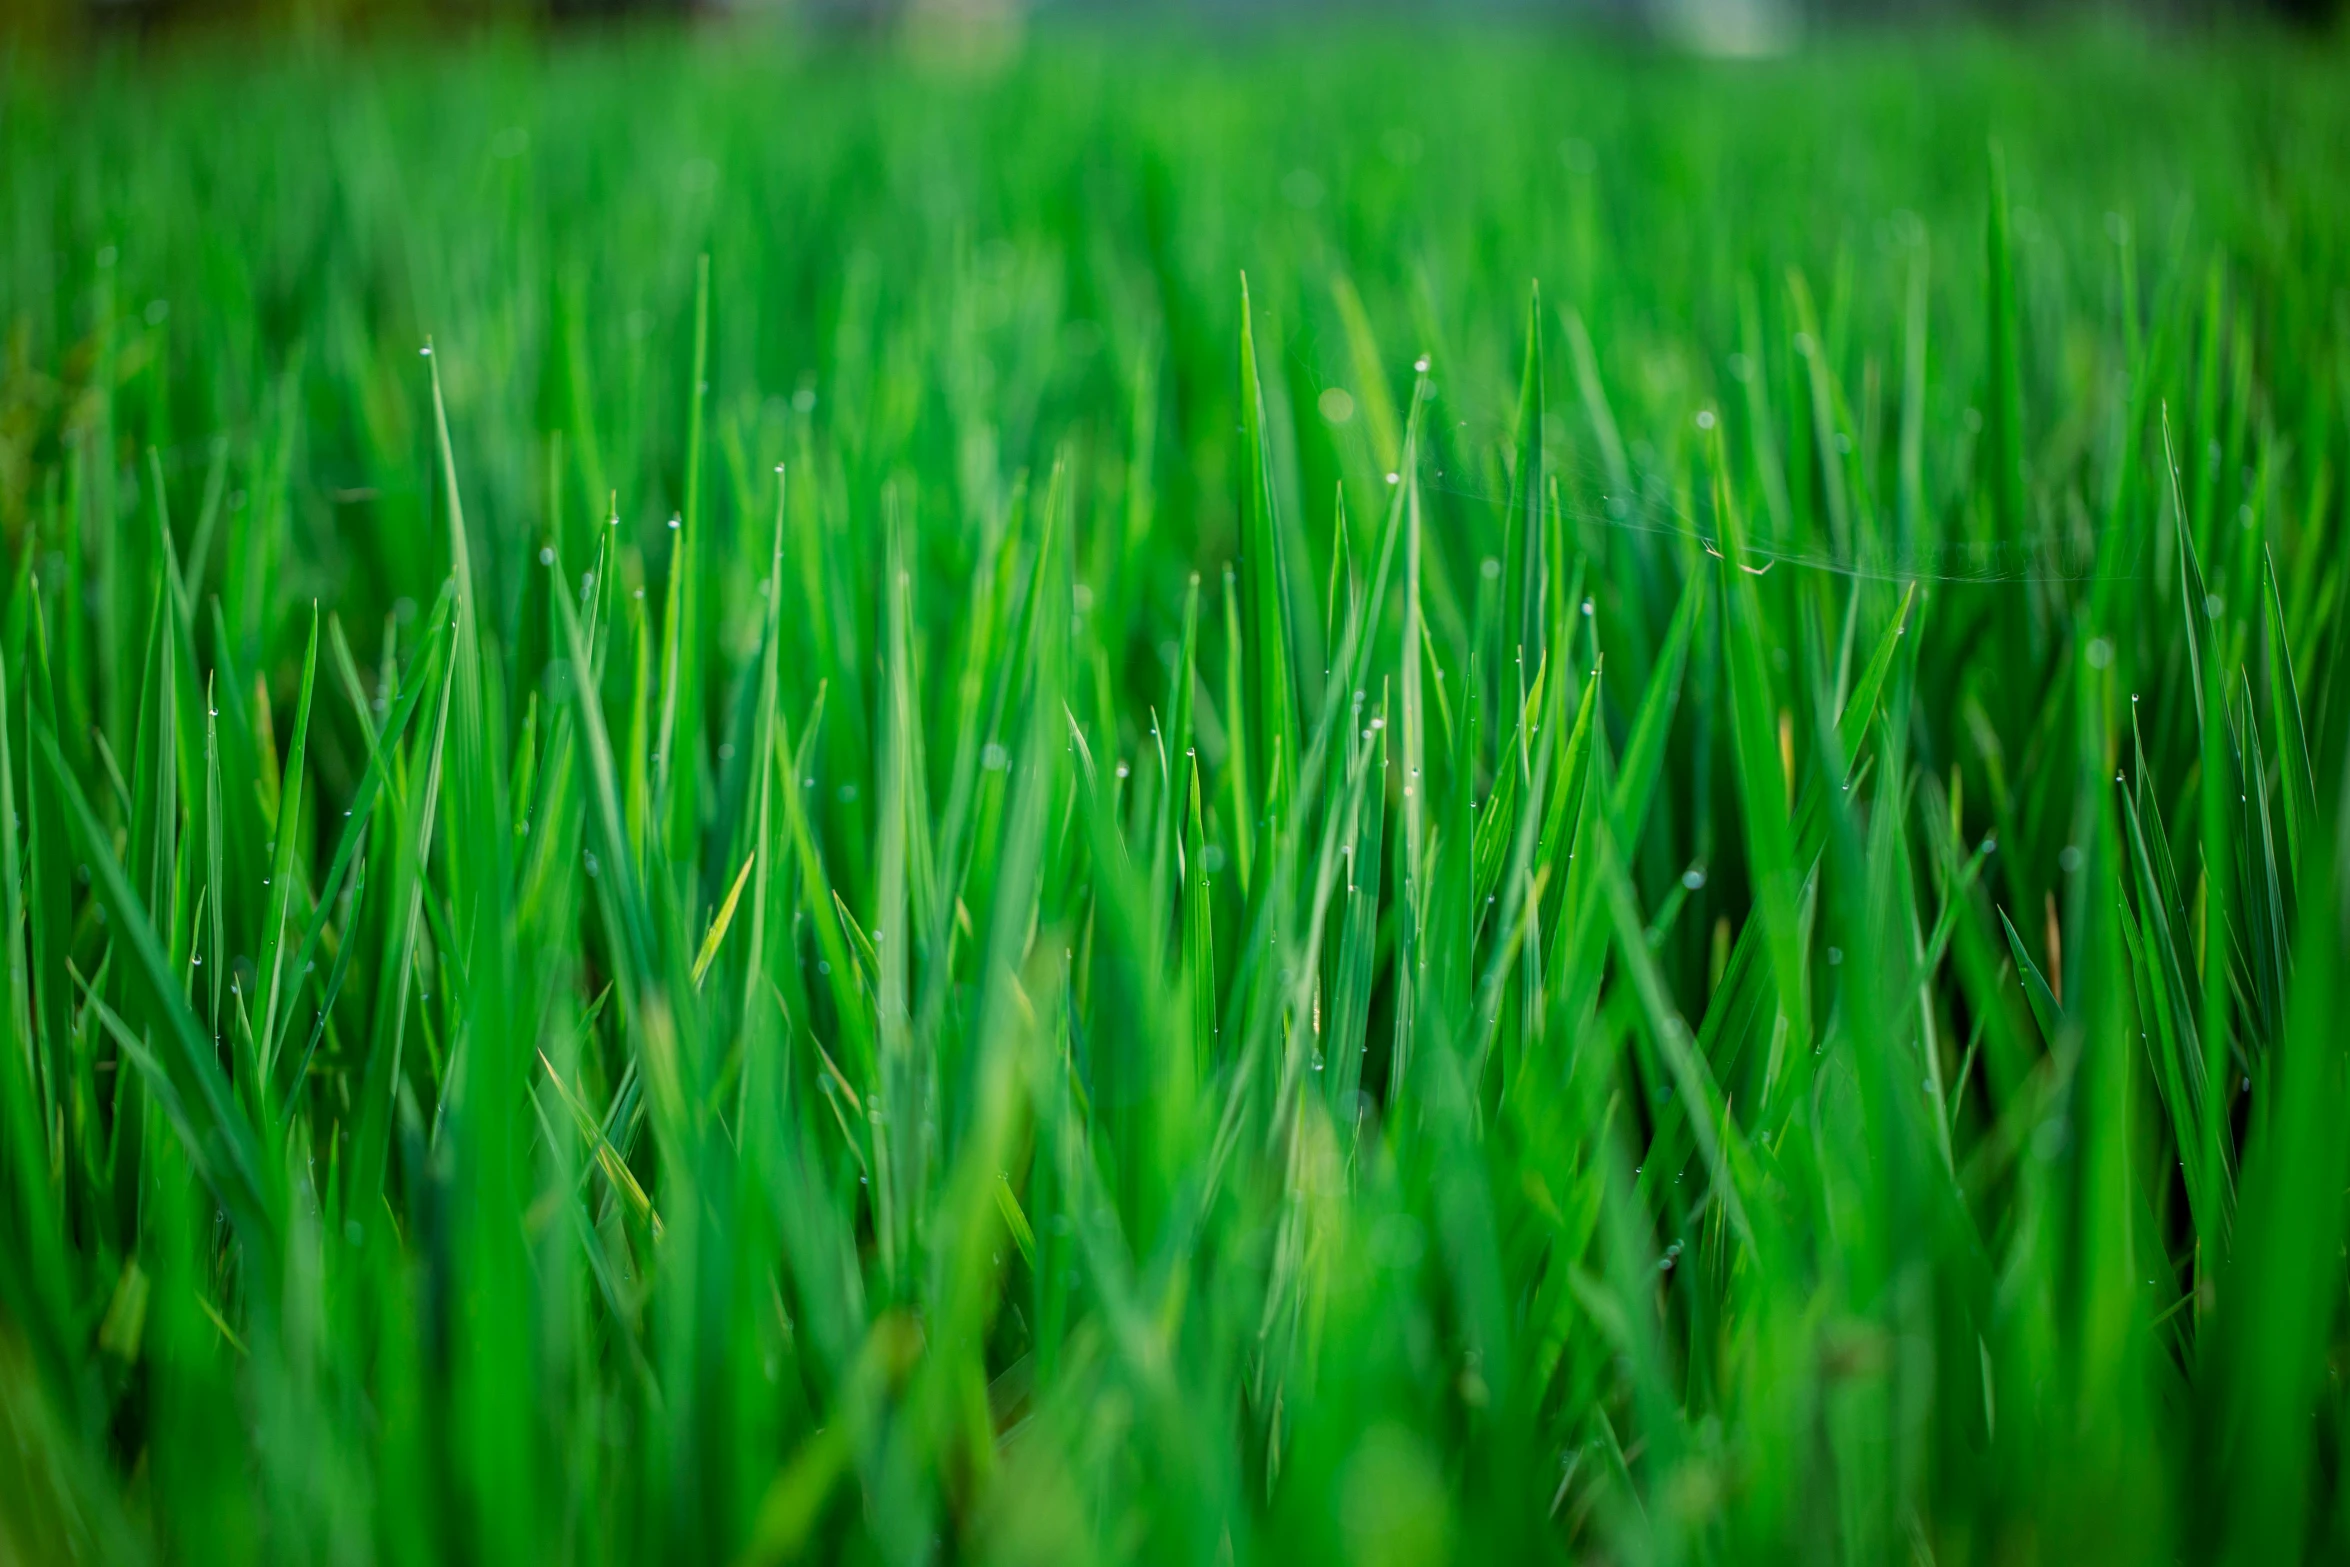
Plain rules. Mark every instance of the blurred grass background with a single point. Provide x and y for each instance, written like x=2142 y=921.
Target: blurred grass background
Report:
x=1736 y=26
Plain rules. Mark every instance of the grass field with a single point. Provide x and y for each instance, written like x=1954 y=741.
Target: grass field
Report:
x=744 y=822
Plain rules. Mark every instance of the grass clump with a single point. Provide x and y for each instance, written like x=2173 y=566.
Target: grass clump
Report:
x=883 y=868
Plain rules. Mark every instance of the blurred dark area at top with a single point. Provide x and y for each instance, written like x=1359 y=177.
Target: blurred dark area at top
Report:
x=1728 y=26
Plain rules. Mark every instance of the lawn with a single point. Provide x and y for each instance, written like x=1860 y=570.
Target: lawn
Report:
x=1304 y=793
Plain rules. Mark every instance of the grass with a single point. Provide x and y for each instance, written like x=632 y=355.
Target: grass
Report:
x=884 y=869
